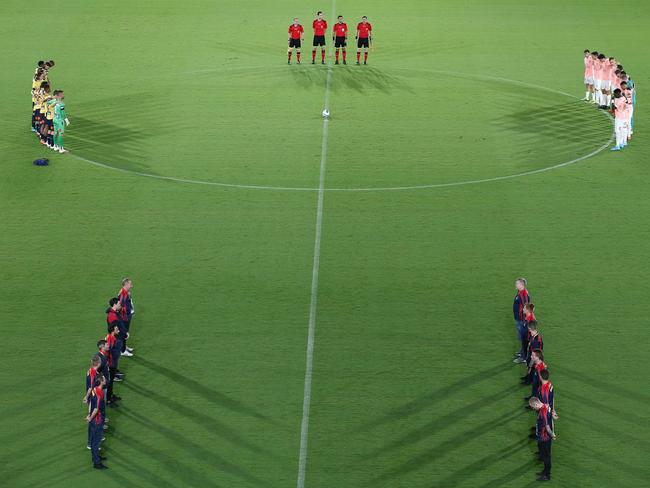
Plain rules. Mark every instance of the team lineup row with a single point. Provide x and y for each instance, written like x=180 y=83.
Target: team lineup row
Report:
x=49 y=119
x=542 y=396
x=339 y=37
x=611 y=88
x=104 y=371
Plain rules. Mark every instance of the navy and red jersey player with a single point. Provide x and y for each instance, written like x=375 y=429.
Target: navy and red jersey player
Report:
x=296 y=36
x=535 y=341
x=521 y=298
x=340 y=38
x=537 y=359
x=364 y=38
x=320 y=29
x=545 y=436
x=126 y=311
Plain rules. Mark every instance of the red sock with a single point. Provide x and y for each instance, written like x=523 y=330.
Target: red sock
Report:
x=358 y=56
x=322 y=55
x=344 y=55
x=298 y=56
x=313 y=55
x=337 y=54
x=365 y=57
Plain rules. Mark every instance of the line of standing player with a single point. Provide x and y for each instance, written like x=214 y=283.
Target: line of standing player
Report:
x=339 y=37
x=610 y=87
x=104 y=370
x=542 y=396
x=49 y=119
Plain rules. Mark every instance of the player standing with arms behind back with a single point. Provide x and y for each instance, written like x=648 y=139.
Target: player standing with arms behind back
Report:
x=340 y=38
x=364 y=38
x=296 y=35
x=320 y=28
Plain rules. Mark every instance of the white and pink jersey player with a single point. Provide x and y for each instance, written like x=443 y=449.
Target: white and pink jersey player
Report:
x=622 y=116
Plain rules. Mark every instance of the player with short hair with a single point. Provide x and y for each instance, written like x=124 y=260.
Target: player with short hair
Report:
x=37 y=82
x=60 y=121
x=296 y=36
x=364 y=39
x=126 y=311
x=592 y=73
x=529 y=316
x=521 y=298
x=95 y=420
x=340 y=38
x=535 y=341
x=588 y=75
x=41 y=106
x=600 y=73
x=320 y=29
x=545 y=435
x=49 y=118
x=537 y=360
x=622 y=115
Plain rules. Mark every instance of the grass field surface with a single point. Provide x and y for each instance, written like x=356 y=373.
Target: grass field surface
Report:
x=412 y=383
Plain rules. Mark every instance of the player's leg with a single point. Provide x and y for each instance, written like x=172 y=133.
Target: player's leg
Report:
x=50 y=134
x=298 y=54
x=345 y=55
x=365 y=55
x=313 y=50
x=336 y=49
x=289 y=51
x=322 y=52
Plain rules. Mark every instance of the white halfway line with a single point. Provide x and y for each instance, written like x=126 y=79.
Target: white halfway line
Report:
x=309 y=362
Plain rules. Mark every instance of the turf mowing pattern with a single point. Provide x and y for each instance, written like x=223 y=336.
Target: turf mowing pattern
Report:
x=412 y=382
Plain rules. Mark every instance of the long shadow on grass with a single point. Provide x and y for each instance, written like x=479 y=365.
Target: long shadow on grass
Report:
x=197 y=451
x=511 y=476
x=601 y=384
x=209 y=394
x=607 y=460
x=205 y=421
x=415 y=406
x=356 y=78
x=479 y=465
x=139 y=471
x=441 y=423
x=449 y=445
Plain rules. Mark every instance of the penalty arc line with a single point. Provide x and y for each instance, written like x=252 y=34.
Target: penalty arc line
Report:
x=311 y=334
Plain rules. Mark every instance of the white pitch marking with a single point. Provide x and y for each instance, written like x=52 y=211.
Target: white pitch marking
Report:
x=394 y=188
x=306 y=401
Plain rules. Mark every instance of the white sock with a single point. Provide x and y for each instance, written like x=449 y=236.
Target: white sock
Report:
x=619 y=137
x=609 y=100
x=587 y=95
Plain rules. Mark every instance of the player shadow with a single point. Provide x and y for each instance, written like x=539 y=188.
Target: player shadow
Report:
x=206 y=421
x=602 y=385
x=416 y=405
x=561 y=122
x=351 y=77
x=481 y=464
x=518 y=472
x=209 y=457
x=441 y=423
x=209 y=394
x=444 y=448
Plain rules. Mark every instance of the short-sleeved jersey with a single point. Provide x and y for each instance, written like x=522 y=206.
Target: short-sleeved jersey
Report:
x=621 y=106
x=543 y=419
x=39 y=100
x=364 y=30
x=547 y=395
x=49 y=108
x=90 y=378
x=36 y=86
x=588 y=66
x=95 y=403
x=320 y=27
x=340 y=29
x=295 y=31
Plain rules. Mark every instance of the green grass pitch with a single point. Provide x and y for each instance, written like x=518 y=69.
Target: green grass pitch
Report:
x=412 y=382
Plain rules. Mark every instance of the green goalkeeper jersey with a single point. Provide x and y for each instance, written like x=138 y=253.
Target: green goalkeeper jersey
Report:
x=59 y=112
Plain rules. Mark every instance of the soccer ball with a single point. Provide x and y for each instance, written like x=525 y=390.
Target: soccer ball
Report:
x=326 y=114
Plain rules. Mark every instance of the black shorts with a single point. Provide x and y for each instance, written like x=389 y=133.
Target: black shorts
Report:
x=319 y=41
x=339 y=42
x=363 y=42
x=294 y=43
